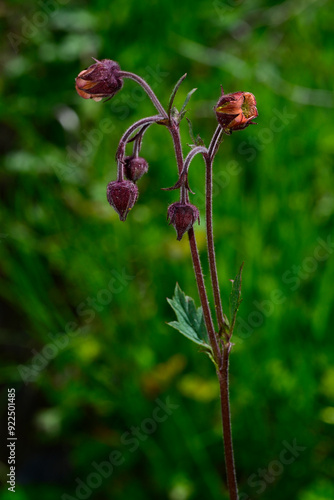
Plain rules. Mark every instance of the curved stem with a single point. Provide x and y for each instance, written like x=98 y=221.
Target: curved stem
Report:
x=124 y=139
x=148 y=90
x=175 y=133
x=221 y=357
x=139 y=139
x=214 y=144
x=195 y=151
x=227 y=430
x=210 y=245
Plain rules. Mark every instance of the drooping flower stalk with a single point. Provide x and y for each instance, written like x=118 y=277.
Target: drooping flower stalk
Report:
x=147 y=88
x=208 y=158
x=234 y=112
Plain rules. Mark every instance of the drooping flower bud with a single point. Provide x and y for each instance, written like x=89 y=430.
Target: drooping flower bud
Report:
x=122 y=195
x=236 y=111
x=135 y=167
x=99 y=80
x=182 y=216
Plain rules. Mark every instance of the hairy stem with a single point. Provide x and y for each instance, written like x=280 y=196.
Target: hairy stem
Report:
x=211 y=246
x=212 y=150
x=223 y=377
x=223 y=372
x=175 y=133
x=148 y=90
x=221 y=356
x=203 y=295
x=214 y=144
x=140 y=123
x=144 y=123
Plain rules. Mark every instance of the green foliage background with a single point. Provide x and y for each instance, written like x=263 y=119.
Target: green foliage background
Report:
x=61 y=244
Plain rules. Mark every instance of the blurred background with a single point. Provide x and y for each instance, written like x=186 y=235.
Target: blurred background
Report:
x=110 y=401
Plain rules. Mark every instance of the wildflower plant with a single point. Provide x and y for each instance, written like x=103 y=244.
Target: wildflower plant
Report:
x=234 y=111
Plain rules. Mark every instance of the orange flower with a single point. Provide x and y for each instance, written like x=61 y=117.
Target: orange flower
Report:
x=236 y=111
x=99 y=80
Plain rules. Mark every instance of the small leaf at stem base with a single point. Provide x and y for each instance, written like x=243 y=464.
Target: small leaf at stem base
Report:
x=190 y=320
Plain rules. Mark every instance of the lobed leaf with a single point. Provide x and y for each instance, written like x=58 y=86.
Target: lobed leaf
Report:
x=190 y=320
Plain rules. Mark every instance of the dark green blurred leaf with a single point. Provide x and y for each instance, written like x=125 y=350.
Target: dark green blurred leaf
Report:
x=183 y=109
x=173 y=94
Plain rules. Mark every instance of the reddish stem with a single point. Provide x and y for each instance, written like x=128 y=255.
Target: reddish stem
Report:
x=175 y=133
x=223 y=376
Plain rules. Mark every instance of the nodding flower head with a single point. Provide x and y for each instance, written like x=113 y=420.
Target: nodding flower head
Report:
x=122 y=195
x=135 y=167
x=236 y=111
x=182 y=216
x=99 y=80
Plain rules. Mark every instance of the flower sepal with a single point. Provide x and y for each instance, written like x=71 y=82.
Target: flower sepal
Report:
x=182 y=216
x=99 y=80
x=122 y=196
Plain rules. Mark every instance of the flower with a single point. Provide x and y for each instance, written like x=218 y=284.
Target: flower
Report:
x=182 y=216
x=122 y=195
x=236 y=111
x=135 y=167
x=99 y=80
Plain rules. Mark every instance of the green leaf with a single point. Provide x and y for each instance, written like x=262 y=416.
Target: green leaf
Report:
x=173 y=94
x=174 y=114
x=190 y=320
x=235 y=297
x=182 y=112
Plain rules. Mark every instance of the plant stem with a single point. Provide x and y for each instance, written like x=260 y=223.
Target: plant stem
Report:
x=175 y=133
x=221 y=356
x=203 y=295
x=210 y=244
x=223 y=372
x=140 y=123
x=214 y=144
x=148 y=90
x=223 y=377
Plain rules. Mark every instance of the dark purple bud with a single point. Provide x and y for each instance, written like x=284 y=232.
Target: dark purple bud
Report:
x=99 y=80
x=182 y=216
x=122 y=195
x=135 y=167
